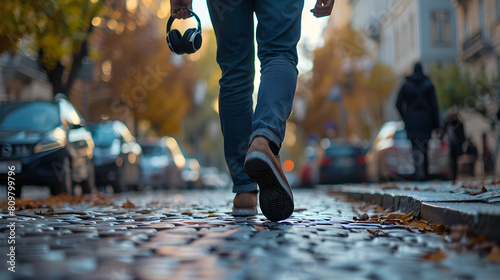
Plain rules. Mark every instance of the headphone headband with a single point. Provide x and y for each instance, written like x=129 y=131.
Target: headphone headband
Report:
x=171 y=20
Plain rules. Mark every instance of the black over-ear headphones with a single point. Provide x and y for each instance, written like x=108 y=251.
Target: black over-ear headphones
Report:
x=188 y=43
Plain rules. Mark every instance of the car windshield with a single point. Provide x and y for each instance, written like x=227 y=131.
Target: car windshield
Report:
x=34 y=116
x=103 y=135
x=154 y=150
x=340 y=151
x=400 y=134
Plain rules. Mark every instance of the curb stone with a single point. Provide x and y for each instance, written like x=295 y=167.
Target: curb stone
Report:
x=435 y=207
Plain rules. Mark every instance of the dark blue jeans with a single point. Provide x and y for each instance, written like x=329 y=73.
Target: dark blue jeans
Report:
x=277 y=34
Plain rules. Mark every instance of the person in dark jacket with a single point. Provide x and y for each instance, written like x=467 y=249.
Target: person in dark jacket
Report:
x=454 y=129
x=418 y=108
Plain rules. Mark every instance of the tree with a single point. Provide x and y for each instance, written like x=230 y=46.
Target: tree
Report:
x=346 y=84
x=57 y=30
x=138 y=75
x=453 y=88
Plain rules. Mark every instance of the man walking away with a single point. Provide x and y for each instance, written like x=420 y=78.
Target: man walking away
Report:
x=252 y=140
x=417 y=105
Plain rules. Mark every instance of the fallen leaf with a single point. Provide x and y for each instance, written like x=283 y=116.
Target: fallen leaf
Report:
x=419 y=225
x=407 y=216
x=483 y=190
x=128 y=204
x=47 y=212
x=440 y=229
x=377 y=232
x=394 y=216
x=364 y=217
x=389 y=186
x=494 y=255
x=477 y=240
x=259 y=228
x=470 y=186
x=436 y=256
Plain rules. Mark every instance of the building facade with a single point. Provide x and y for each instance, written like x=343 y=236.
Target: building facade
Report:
x=418 y=30
x=478 y=26
x=402 y=32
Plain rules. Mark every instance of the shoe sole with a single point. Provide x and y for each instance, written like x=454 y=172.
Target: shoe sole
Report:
x=244 y=212
x=275 y=198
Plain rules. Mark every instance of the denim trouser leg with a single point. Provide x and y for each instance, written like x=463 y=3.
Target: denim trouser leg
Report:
x=234 y=30
x=278 y=32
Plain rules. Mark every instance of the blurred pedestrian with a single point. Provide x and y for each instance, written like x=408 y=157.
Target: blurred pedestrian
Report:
x=417 y=106
x=252 y=140
x=471 y=155
x=454 y=130
x=496 y=122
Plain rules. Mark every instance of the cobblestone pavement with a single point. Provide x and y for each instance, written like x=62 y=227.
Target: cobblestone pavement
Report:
x=190 y=235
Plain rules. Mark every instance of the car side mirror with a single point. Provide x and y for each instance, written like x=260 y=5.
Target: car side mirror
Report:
x=76 y=126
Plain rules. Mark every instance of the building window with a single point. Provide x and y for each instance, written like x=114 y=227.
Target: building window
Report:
x=441 y=28
x=396 y=43
x=497 y=9
x=412 y=32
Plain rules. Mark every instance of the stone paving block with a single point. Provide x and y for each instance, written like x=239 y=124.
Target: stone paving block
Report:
x=482 y=218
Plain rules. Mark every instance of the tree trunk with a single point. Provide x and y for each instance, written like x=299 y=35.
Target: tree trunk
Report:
x=56 y=74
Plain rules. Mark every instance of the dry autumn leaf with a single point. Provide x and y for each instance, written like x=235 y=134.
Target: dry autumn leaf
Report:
x=483 y=190
x=259 y=228
x=128 y=204
x=189 y=213
x=440 y=229
x=395 y=216
x=407 y=216
x=377 y=232
x=494 y=255
x=47 y=212
x=436 y=256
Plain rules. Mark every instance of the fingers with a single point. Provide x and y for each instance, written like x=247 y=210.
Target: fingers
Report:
x=323 y=8
x=181 y=12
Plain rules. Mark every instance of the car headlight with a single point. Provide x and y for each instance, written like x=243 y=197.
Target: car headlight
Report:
x=56 y=139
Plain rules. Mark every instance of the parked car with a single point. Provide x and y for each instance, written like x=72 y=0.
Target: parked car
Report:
x=212 y=178
x=162 y=163
x=341 y=163
x=117 y=156
x=191 y=174
x=48 y=145
x=391 y=155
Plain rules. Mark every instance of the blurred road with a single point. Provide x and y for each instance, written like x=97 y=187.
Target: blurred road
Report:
x=190 y=235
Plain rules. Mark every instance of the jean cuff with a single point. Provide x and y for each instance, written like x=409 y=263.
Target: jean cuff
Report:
x=268 y=134
x=245 y=188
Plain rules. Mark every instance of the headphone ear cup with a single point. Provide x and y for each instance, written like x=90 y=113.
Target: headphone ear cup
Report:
x=186 y=44
x=174 y=39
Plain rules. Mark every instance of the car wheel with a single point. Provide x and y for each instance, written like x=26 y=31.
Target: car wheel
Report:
x=65 y=184
x=89 y=184
x=17 y=191
x=118 y=185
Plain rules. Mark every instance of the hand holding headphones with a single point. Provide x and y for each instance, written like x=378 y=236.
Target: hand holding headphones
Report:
x=188 y=43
